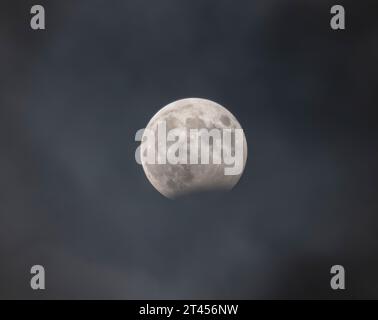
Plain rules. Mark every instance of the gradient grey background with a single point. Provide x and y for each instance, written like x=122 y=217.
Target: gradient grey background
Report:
x=73 y=199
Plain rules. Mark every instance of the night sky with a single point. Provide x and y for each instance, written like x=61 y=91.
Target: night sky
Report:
x=73 y=198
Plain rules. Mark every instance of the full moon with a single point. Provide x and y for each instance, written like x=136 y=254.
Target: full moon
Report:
x=175 y=180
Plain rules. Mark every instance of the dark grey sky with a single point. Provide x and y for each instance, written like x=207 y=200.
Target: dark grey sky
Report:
x=73 y=199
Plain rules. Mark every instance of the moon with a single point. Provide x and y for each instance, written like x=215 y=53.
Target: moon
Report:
x=175 y=180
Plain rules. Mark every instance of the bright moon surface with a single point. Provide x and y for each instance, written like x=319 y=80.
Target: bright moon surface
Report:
x=174 y=180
